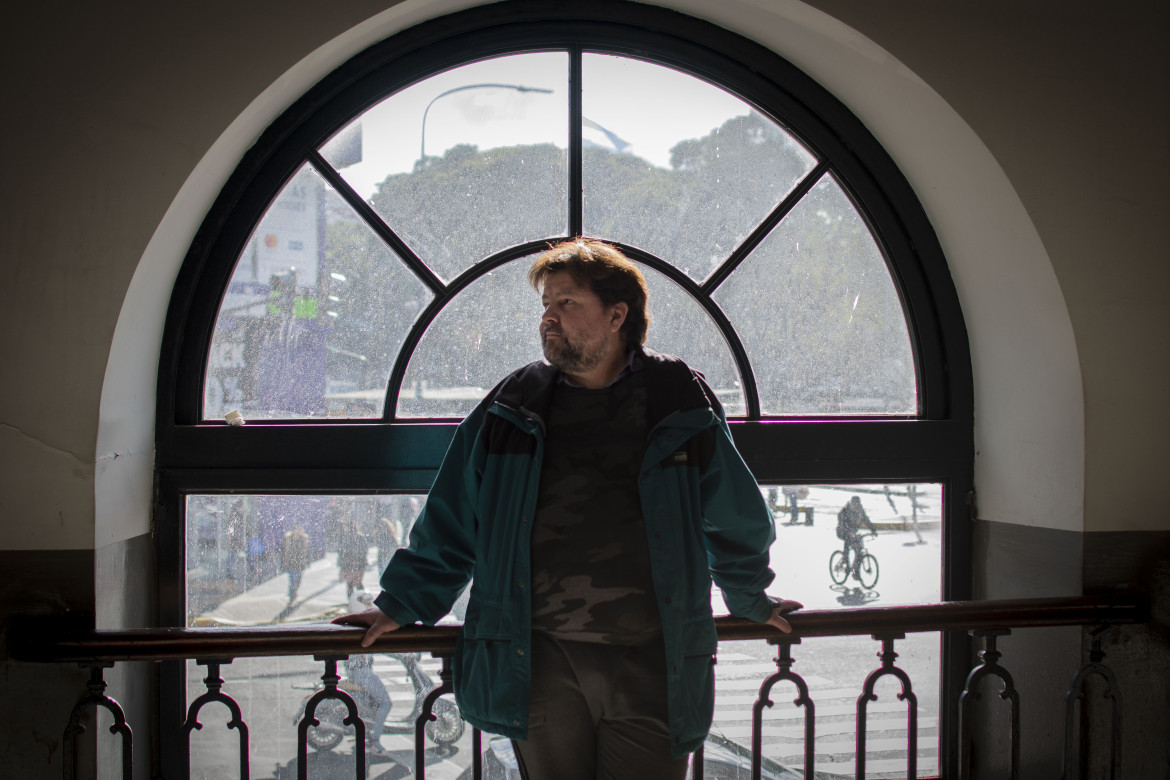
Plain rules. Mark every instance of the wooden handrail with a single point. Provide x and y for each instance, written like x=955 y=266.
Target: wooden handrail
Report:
x=39 y=641
x=951 y=616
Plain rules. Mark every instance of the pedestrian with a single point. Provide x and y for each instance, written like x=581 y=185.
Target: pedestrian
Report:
x=294 y=558
x=236 y=545
x=337 y=519
x=595 y=495
x=353 y=549
x=385 y=538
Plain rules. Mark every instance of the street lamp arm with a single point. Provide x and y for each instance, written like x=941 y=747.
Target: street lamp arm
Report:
x=422 y=147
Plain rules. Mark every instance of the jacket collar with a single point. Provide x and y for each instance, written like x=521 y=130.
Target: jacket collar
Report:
x=671 y=387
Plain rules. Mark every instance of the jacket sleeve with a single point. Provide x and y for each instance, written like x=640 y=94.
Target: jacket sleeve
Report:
x=423 y=580
x=738 y=530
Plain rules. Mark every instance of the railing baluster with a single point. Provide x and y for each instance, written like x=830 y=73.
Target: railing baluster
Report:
x=784 y=665
x=331 y=691
x=445 y=686
x=97 y=698
x=476 y=754
x=888 y=657
x=988 y=668
x=1076 y=692
x=214 y=684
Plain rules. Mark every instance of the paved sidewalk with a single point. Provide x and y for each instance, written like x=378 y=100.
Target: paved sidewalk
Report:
x=321 y=597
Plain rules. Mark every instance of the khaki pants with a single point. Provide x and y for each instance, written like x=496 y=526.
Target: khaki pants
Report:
x=597 y=712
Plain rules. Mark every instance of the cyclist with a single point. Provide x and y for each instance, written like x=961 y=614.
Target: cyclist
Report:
x=849 y=520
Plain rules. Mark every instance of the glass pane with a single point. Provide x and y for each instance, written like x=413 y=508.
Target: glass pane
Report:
x=492 y=328
x=239 y=554
x=240 y=551
x=908 y=546
x=819 y=316
x=467 y=162
x=314 y=315
x=677 y=166
x=679 y=326
x=489 y=330
x=908 y=555
x=235 y=572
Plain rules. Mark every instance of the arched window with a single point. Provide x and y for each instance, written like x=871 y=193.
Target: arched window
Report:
x=360 y=284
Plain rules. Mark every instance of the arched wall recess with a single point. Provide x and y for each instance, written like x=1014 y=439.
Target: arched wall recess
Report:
x=941 y=156
x=838 y=56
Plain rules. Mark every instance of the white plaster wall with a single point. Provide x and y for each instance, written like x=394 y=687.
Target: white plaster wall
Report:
x=1029 y=405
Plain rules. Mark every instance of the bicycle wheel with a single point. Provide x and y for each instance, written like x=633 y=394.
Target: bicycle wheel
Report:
x=330 y=714
x=868 y=572
x=838 y=566
x=447 y=727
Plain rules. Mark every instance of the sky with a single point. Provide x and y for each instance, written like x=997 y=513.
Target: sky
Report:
x=648 y=106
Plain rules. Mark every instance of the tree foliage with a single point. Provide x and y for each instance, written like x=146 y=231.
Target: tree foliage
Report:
x=814 y=304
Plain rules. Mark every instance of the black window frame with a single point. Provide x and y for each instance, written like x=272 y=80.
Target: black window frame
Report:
x=194 y=456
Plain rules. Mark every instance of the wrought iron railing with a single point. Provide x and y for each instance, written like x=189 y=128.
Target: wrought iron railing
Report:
x=986 y=621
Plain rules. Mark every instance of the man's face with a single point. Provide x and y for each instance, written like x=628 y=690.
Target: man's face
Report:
x=577 y=329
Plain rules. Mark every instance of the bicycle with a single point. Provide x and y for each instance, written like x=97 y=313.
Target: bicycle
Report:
x=867 y=568
x=444 y=729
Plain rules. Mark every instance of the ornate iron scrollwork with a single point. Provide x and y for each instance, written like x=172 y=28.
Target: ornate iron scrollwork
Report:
x=214 y=693
x=988 y=668
x=97 y=698
x=784 y=666
x=331 y=691
x=696 y=763
x=445 y=686
x=1076 y=693
x=888 y=656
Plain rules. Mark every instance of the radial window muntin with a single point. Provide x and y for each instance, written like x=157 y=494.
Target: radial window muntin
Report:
x=815 y=396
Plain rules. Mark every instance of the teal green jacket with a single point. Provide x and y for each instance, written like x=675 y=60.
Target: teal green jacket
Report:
x=705 y=519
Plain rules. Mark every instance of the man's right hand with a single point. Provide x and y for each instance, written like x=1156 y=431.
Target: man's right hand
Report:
x=780 y=608
x=375 y=621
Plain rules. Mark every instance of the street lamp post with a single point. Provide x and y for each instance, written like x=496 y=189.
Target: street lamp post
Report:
x=422 y=149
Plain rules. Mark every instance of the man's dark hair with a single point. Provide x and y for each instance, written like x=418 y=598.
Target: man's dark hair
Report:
x=610 y=274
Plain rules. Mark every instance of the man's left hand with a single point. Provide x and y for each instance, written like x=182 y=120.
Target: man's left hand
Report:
x=780 y=608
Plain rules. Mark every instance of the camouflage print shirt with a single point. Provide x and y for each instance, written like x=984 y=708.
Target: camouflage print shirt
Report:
x=591 y=579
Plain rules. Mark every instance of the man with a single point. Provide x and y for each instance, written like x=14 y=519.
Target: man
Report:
x=793 y=494
x=595 y=495
x=851 y=517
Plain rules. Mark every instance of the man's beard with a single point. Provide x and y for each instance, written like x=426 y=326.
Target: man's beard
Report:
x=572 y=357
